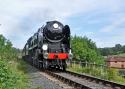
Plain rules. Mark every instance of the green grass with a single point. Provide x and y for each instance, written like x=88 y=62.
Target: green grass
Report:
x=123 y=54
x=13 y=75
x=12 y=71
x=106 y=73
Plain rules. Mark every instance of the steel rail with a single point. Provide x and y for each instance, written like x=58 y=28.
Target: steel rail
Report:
x=112 y=85
x=67 y=81
x=76 y=85
x=98 y=80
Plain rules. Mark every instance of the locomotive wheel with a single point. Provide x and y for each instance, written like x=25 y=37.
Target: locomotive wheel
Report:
x=46 y=64
x=43 y=65
x=41 y=62
x=37 y=64
x=36 y=58
x=33 y=62
x=64 y=68
x=40 y=65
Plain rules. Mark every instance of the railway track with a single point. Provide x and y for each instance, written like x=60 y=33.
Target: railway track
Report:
x=80 y=81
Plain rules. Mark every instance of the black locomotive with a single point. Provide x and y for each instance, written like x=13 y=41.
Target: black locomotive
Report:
x=49 y=46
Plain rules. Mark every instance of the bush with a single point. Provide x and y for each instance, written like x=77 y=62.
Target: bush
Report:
x=11 y=77
x=8 y=78
x=85 y=49
x=12 y=74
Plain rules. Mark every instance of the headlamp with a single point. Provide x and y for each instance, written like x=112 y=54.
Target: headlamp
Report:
x=45 y=47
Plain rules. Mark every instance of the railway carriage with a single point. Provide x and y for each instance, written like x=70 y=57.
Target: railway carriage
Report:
x=49 y=46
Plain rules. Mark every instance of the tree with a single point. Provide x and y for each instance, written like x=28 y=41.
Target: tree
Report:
x=7 y=52
x=85 y=49
x=123 y=49
x=118 y=49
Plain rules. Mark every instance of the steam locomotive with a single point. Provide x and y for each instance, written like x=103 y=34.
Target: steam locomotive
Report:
x=49 y=46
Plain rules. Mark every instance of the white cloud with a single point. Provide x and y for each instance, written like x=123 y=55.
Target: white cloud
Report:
x=115 y=23
x=110 y=39
x=19 y=18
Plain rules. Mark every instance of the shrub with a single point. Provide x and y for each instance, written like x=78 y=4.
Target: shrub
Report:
x=12 y=74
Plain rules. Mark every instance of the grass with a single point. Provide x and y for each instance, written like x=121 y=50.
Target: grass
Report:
x=107 y=73
x=13 y=75
x=123 y=55
x=19 y=67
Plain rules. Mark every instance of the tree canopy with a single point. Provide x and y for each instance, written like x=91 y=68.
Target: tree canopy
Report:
x=85 y=49
x=10 y=75
x=118 y=49
x=7 y=52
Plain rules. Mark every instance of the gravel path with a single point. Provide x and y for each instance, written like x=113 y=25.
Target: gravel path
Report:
x=37 y=80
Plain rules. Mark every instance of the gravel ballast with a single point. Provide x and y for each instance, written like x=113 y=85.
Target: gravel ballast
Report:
x=37 y=80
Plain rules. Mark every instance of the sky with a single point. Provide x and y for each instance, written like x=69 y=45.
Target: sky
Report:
x=103 y=21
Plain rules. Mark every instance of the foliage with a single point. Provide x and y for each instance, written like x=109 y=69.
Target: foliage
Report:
x=11 y=77
x=118 y=49
x=85 y=49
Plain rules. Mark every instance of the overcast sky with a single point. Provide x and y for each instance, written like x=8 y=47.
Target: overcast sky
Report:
x=101 y=20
